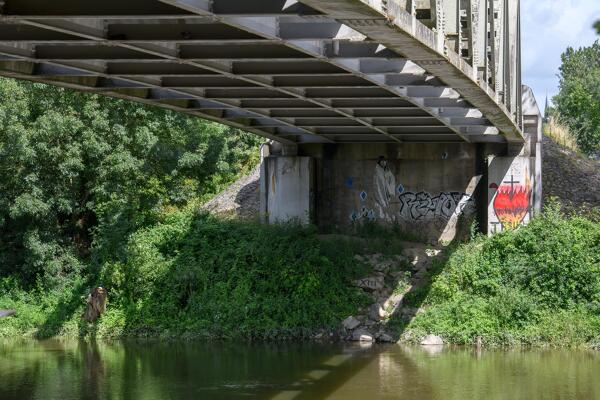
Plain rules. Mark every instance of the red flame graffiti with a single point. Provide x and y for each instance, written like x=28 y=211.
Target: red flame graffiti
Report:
x=512 y=204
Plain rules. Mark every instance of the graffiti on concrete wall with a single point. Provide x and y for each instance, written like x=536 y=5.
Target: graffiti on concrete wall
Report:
x=385 y=188
x=363 y=213
x=512 y=201
x=391 y=202
x=423 y=206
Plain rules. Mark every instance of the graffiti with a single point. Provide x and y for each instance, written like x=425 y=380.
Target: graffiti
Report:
x=349 y=182
x=390 y=200
x=385 y=187
x=512 y=202
x=364 y=213
x=422 y=206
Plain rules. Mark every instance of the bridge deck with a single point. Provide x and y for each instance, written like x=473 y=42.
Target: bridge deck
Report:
x=297 y=72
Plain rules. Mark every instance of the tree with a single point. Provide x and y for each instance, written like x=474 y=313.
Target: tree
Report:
x=81 y=172
x=578 y=101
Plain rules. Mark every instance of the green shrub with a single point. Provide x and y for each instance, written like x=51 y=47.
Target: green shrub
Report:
x=507 y=287
x=199 y=274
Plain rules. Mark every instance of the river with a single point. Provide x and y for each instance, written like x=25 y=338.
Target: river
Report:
x=153 y=370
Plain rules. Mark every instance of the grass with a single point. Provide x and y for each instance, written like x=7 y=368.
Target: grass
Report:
x=561 y=134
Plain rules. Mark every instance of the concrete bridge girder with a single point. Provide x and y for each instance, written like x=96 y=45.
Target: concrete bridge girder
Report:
x=65 y=31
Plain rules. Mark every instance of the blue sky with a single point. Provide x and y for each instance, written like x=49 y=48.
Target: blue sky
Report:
x=548 y=28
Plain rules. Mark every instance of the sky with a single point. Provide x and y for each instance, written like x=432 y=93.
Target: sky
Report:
x=548 y=27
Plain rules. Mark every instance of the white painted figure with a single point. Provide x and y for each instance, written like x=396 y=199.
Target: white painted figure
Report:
x=385 y=189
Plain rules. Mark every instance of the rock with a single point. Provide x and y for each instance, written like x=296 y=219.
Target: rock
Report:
x=420 y=275
x=433 y=252
x=376 y=312
x=373 y=283
x=385 y=338
x=350 y=323
x=382 y=266
x=362 y=335
x=432 y=340
x=369 y=322
x=401 y=275
x=393 y=301
x=241 y=198
x=7 y=313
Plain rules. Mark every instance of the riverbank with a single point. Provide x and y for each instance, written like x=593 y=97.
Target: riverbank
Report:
x=538 y=285
x=196 y=276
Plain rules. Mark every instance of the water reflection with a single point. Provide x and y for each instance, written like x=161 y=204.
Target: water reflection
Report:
x=66 y=370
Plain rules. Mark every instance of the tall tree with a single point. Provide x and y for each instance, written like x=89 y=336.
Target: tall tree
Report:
x=77 y=168
x=578 y=101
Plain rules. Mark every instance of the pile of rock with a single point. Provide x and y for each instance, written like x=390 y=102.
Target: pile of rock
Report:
x=7 y=313
x=391 y=279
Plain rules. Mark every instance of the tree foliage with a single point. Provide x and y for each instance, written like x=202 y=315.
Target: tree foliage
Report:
x=578 y=102
x=80 y=172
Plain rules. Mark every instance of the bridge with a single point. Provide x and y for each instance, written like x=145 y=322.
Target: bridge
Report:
x=404 y=112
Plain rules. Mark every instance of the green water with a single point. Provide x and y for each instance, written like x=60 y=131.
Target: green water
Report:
x=186 y=370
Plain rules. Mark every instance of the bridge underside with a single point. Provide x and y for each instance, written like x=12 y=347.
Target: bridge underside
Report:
x=341 y=72
x=432 y=86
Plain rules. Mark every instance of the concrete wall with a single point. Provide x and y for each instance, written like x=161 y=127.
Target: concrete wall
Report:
x=432 y=191
x=429 y=190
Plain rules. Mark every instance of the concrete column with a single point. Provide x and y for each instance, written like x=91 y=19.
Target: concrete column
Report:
x=511 y=188
x=287 y=189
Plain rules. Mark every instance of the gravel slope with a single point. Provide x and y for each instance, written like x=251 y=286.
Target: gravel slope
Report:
x=240 y=199
x=573 y=178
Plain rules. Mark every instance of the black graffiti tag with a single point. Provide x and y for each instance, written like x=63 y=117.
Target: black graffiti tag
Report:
x=422 y=206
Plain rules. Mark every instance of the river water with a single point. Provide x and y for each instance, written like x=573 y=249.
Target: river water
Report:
x=65 y=370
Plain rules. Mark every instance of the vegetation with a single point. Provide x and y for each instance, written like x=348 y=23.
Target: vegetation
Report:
x=539 y=284
x=561 y=134
x=99 y=191
x=578 y=101
x=80 y=172
x=197 y=276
